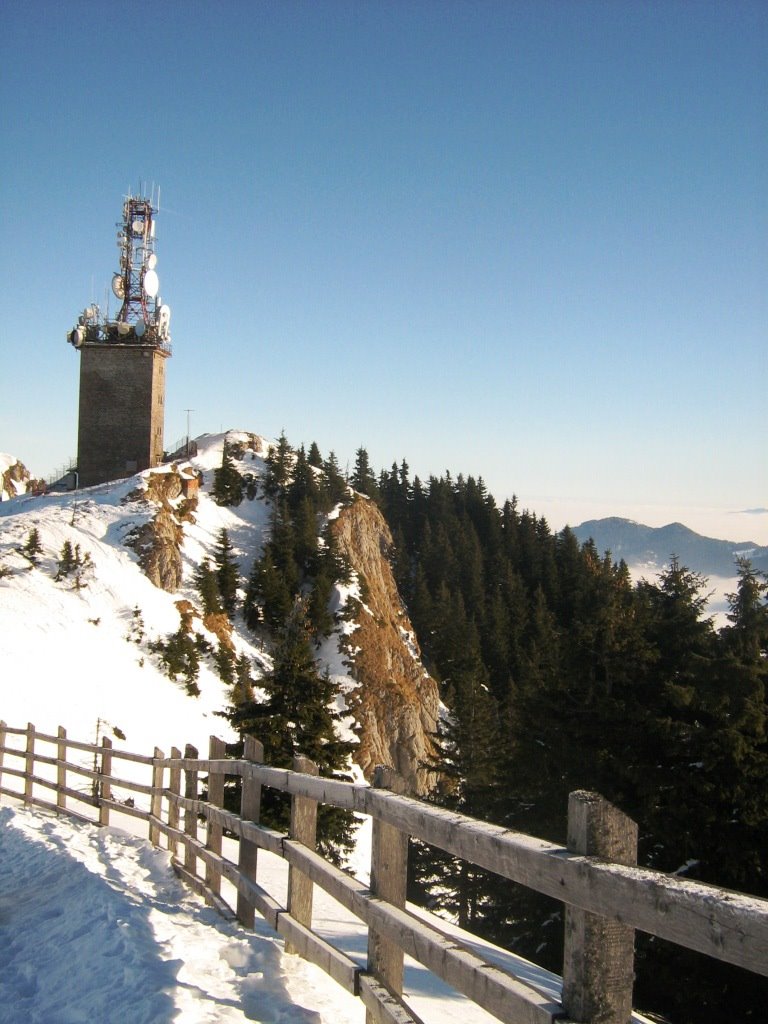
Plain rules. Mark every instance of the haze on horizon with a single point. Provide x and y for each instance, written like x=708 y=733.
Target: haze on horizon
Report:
x=524 y=241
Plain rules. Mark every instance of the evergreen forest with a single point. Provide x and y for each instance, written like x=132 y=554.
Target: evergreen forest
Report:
x=559 y=674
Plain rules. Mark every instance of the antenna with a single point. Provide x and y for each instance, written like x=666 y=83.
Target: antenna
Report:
x=188 y=411
x=135 y=284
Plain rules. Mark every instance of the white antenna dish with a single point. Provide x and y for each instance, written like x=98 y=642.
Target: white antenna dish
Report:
x=140 y=328
x=150 y=283
x=77 y=337
x=118 y=287
x=123 y=328
x=137 y=227
x=151 y=261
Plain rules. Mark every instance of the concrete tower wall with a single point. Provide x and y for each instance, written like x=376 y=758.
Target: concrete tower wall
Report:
x=122 y=404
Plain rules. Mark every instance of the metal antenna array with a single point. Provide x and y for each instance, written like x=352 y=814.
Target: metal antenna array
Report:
x=142 y=317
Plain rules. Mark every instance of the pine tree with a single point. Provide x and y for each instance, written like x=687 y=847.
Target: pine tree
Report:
x=298 y=717
x=363 y=479
x=270 y=597
x=279 y=463
x=334 y=487
x=66 y=560
x=303 y=487
x=32 y=548
x=227 y=572
x=227 y=481
x=207 y=587
x=747 y=636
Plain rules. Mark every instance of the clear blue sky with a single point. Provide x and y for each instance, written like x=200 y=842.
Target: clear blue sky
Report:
x=527 y=241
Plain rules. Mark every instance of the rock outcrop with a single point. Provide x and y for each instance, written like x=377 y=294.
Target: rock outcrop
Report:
x=15 y=479
x=158 y=542
x=396 y=704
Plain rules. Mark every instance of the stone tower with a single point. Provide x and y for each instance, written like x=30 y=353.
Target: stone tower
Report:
x=122 y=398
x=122 y=362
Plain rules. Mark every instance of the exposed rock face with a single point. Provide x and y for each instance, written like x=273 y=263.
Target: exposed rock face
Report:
x=158 y=542
x=397 y=703
x=15 y=479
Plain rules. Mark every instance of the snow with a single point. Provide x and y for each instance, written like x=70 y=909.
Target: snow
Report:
x=98 y=928
x=94 y=925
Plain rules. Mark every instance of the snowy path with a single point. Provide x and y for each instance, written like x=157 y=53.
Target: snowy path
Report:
x=96 y=928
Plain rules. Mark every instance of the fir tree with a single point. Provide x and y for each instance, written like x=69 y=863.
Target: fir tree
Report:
x=66 y=561
x=363 y=479
x=32 y=548
x=227 y=481
x=207 y=586
x=298 y=717
x=227 y=572
x=279 y=463
x=333 y=487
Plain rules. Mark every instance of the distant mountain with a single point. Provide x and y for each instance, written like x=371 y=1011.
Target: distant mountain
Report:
x=641 y=545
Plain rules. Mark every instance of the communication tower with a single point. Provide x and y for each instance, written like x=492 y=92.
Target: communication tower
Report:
x=122 y=360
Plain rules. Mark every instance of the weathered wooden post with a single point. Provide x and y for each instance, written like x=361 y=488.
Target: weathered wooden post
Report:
x=3 y=735
x=598 y=962
x=174 y=785
x=190 y=815
x=250 y=810
x=304 y=830
x=156 y=800
x=216 y=749
x=105 y=789
x=389 y=871
x=61 y=768
x=29 y=763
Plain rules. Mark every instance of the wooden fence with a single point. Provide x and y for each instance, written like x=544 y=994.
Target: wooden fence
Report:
x=606 y=895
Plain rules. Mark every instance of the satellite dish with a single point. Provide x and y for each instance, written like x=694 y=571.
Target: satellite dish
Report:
x=123 y=327
x=165 y=314
x=77 y=337
x=140 y=328
x=150 y=283
x=138 y=227
x=118 y=287
x=151 y=261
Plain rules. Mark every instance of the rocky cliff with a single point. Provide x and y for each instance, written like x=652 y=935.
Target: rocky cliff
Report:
x=158 y=542
x=15 y=478
x=396 y=704
x=392 y=699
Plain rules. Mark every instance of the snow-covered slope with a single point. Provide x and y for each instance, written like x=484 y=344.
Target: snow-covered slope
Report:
x=67 y=656
x=78 y=649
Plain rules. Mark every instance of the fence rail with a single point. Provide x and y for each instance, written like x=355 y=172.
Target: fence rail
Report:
x=607 y=896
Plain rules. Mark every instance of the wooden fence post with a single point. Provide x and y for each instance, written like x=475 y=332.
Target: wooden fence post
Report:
x=2 y=747
x=217 y=748
x=304 y=830
x=29 y=763
x=389 y=871
x=174 y=785
x=61 y=769
x=156 y=800
x=105 y=789
x=190 y=817
x=598 y=962
x=250 y=810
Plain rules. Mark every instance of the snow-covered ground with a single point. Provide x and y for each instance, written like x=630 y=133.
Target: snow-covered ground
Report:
x=96 y=927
